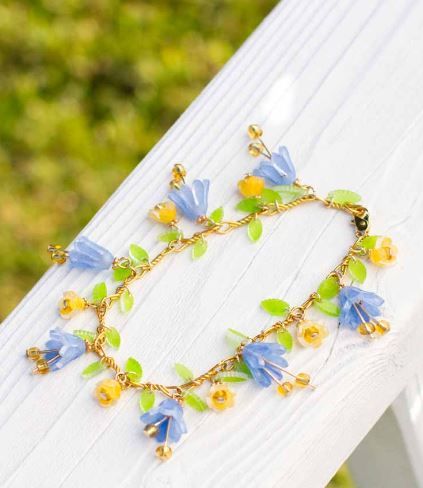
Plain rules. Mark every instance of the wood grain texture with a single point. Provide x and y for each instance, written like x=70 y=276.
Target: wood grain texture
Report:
x=338 y=82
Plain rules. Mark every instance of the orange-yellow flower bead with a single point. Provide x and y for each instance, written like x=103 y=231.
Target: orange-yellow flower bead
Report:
x=108 y=392
x=311 y=334
x=384 y=253
x=251 y=186
x=164 y=212
x=220 y=397
x=70 y=304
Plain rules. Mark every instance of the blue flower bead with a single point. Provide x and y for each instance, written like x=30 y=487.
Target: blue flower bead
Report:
x=62 y=348
x=279 y=170
x=86 y=254
x=358 y=306
x=192 y=201
x=265 y=361
x=167 y=417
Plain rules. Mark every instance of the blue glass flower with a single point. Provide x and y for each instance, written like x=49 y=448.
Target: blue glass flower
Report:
x=62 y=348
x=358 y=306
x=192 y=200
x=86 y=254
x=279 y=170
x=265 y=361
x=167 y=416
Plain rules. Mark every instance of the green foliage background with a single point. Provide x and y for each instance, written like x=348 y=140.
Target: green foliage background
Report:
x=86 y=89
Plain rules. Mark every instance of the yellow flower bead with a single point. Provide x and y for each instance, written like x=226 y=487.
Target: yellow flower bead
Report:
x=311 y=334
x=164 y=212
x=251 y=186
x=71 y=304
x=384 y=253
x=220 y=397
x=108 y=392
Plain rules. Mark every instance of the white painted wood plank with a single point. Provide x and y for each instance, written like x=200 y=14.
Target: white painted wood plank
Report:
x=338 y=82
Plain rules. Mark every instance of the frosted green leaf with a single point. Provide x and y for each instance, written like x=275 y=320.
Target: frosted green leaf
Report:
x=328 y=307
x=99 y=291
x=172 y=235
x=183 y=372
x=126 y=301
x=255 y=229
x=241 y=367
x=147 y=399
x=274 y=306
x=133 y=369
x=369 y=242
x=87 y=335
x=217 y=215
x=343 y=196
x=249 y=205
x=285 y=339
x=93 y=369
x=270 y=196
x=195 y=402
x=234 y=338
x=199 y=249
x=328 y=288
x=113 y=337
x=357 y=270
x=231 y=377
x=289 y=193
x=138 y=254
x=120 y=274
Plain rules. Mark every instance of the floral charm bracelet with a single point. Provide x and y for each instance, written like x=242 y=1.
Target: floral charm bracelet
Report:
x=272 y=188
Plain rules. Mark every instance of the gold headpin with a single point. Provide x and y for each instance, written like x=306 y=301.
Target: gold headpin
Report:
x=178 y=176
x=258 y=146
x=57 y=254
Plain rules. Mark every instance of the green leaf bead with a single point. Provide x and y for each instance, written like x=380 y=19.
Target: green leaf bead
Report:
x=357 y=270
x=232 y=377
x=234 y=338
x=289 y=193
x=133 y=369
x=285 y=339
x=217 y=215
x=126 y=301
x=328 y=308
x=328 y=288
x=343 y=196
x=120 y=274
x=138 y=254
x=113 y=337
x=249 y=205
x=270 y=196
x=87 y=335
x=99 y=292
x=199 y=249
x=92 y=370
x=255 y=229
x=274 y=306
x=172 y=235
x=183 y=372
x=195 y=402
x=241 y=367
x=369 y=242
x=147 y=399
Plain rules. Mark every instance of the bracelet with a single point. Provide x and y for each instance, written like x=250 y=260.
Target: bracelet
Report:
x=271 y=189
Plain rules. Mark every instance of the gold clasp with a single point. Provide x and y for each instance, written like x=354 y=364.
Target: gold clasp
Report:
x=57 y=254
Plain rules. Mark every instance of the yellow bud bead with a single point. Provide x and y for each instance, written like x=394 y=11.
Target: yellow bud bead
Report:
x=165 y=213
x=302 y=380
x=285 y=388
x=311 y=334
x=254 y=131
x=220 y=397
x=255 y=149
x=384 y=253
x=251 y=186
x=108 y=392
x=164 y=452
x=70 y=304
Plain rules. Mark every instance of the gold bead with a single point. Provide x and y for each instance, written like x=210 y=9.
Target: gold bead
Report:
x=42 y=367
x=178 y=176
x=254 y=131
x=255 y=148
x=285 y=388
x=164 y=452
x=33 y=353
x=366 y=328
x=302 y=380
x=382 y=327
x=150 y=430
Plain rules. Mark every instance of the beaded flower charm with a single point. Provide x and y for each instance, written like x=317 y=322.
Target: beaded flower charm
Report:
x=270 y=189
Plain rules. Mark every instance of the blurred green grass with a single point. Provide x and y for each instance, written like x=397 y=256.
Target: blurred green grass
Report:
x=86 y=89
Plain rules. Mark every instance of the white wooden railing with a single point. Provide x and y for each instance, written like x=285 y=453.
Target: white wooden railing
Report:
x=340 y=83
